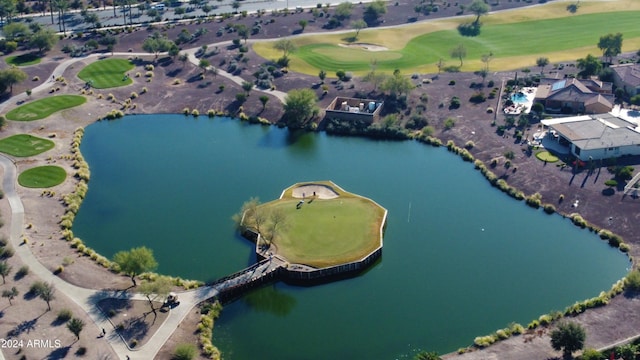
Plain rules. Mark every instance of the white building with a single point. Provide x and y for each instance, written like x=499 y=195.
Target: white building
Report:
x=598 y=136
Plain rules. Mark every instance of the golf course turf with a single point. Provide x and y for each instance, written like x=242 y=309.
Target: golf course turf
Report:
x=23 y=145
x=107 y=73
x=42 y=177
x=24 y=59
x=327 y=232
x=42 y=108
x=571 y=37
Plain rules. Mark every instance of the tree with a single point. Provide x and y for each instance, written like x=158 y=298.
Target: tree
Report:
x=62 y=6
x=322 y=75
x=542 y=62
x=303 y=24
x=589 y=66
x=158 y=288
x=286 y=46
x=358 y=25
x=568 y=337
x=611 y=45
x=15 y=30
x=593 y=354
x=375 y=78
x=183 y=58
x=10 y=294
x=204 y=64
x=43 y=40
x=343 y=10
x=75 y=325
x=135 y=261
x=47 y=293
x=247 y=212
x=278 y=222
x=264 y=99
x=92 y=18
x=459 y=52
x=10 y=77
x=109 y=41
x=247 y=87
x=374 y=11
x=7 y=10
x=156 y=44
x=5 y=269
x=243 y=32
x=236 y=5
x=397 y=84
x=479 y=8
x=299 y=108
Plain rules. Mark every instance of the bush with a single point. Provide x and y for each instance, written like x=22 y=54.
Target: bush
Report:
x=184 y=352
x=611 y=183
x=449 y=123
x=454 y=103
x=452 y=82
x=549 y=209
x=469 y=144
x=632 y=281
x=478 y=97
x=22 y=272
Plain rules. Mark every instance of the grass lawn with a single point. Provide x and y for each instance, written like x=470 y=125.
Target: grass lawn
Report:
x=516 y=38
x=328 y=232
x=42 y=108
x=23 y=145
x=42 y=177
x=24 y=59
x=107 y=73
x=546 y=156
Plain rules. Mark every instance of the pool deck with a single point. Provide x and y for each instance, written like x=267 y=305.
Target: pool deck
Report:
x=522 y=107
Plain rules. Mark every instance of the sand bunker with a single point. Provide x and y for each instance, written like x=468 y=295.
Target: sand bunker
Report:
x=365 y=46
x=321 y=191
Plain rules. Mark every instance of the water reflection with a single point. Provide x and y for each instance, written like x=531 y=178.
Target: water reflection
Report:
x=270 y=300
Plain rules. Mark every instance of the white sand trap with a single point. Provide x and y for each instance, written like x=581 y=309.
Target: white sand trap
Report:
x=365 y=46
x=321 y=191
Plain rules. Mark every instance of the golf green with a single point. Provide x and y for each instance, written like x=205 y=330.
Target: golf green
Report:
x=325 y=232
x=42 y=108
x=42 y=176
x=23 y=145
x=107 y=73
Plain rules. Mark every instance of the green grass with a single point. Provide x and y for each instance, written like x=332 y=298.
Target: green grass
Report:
x=546 y=156
x=42 y=108
x=23 y=145
x=42 y=177
x=107 y=73
x=511 y=43
x=24 y=59
x=328 y=232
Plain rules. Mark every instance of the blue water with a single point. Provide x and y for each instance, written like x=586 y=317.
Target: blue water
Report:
x=460 y=258
x=519 y=98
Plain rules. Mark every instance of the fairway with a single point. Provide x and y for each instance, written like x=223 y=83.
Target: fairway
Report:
x=23 y=145
x=42 y=108
x=42 y=177
x=107 y=73
x=326 y=232
x=513 y=43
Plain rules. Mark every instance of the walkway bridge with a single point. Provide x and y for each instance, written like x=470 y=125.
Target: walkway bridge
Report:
x=234 y=285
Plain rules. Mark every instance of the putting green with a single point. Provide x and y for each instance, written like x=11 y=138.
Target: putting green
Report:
x=42 y=176
x=516 y=38
x=107 y=73
x=42 y=108
x=544 y=155
x=326 y=232
x=24 y=59
x=23 y=145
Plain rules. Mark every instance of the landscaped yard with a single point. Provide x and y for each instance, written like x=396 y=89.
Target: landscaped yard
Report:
x=42 y=108
x=42 y=176
x=513 y=43
x=546 y=156
x=107 y=73
x=324 y=232
x=24 y=59
x=23 y=145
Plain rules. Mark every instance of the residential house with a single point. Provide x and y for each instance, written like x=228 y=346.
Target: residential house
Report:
x=365 y=110
x=573 y=96
x=627 y=77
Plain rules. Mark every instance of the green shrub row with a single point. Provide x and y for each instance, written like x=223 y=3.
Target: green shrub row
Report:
x=209 y=312
x=613 y=239
x=502 y=334
x=177 y=281
x=464 y=153
x=499 y=183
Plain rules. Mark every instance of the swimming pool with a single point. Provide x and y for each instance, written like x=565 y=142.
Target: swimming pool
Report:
x=519 y=98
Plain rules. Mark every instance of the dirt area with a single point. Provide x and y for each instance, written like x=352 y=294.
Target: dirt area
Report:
x=175 y=86
x=133 y=320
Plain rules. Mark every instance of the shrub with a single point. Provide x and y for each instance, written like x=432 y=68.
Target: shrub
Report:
x=186 y=111
x=195 y=113
x=469 y=144
x=148 y=74
x=176 y=82
x=534 y=200
x=149 y=67
x=134 y=95
x=484 y=341
x=22 y=272
x=578 y=220
x=549 y=208
x=611 y=183
x=449 y=123
x=454 y=103
x=452 y=82
x=478 y=97
x=632 y=281
x=490 y=110
x=144 y=90
x=184 y=352
x=36 y=78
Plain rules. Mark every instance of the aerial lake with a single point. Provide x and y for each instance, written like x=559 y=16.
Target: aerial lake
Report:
x=460 y=259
